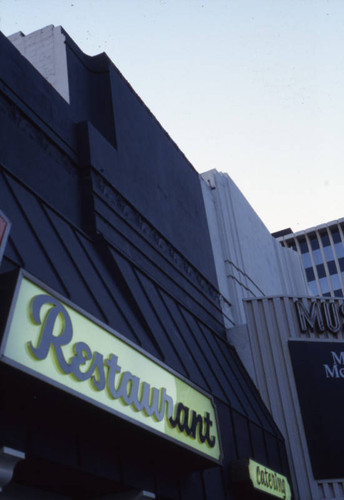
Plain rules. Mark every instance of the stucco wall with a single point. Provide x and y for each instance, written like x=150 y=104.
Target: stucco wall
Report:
x=249 y=261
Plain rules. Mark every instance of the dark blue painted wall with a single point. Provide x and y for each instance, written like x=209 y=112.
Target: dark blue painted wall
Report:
x=144 y=164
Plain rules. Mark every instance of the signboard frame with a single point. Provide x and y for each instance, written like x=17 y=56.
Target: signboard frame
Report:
x=25 y=276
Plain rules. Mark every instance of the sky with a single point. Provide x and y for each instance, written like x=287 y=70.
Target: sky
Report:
x=252 y=88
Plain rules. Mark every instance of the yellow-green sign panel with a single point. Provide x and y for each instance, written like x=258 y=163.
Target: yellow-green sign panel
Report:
x=55 y=341
x=269 y=481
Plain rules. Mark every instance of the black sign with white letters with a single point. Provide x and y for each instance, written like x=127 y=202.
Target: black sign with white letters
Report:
x=319 y=376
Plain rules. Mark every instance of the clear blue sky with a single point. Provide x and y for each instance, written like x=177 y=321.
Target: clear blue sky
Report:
x=253 y=88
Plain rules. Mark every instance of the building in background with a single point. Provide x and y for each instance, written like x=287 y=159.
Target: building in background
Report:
x=322 y=251
x=279 y=333
x=249 y=261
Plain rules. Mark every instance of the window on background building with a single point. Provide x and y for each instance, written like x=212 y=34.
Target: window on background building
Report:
x=317 y=256
x=303 y=246
x=338 y=293
x=325 y=240
x=332 y=269
x=313 y=287
x=339 y=247
x=314 y=242
x=306 y=259
x=316 y=250
x=321 y=270
x=335 y=236
x=328 y=253
x=324 y=285
x=338 y=244
x=335 y=282
x=341 y=263
x=310 y=274
x=327 y=294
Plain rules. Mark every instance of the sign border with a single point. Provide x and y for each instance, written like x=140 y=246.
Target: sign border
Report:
x=22 y=273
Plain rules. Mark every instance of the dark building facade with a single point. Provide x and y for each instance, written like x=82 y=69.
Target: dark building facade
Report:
x=107 y=243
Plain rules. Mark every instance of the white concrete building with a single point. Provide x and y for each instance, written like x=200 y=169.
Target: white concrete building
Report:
x=250 y=262
x=263 y=281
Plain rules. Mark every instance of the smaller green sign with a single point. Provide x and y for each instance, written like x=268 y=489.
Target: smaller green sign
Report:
x=53 y=340
x=269 y=481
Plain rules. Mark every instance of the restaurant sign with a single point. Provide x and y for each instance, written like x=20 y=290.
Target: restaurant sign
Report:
x=55 y=341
